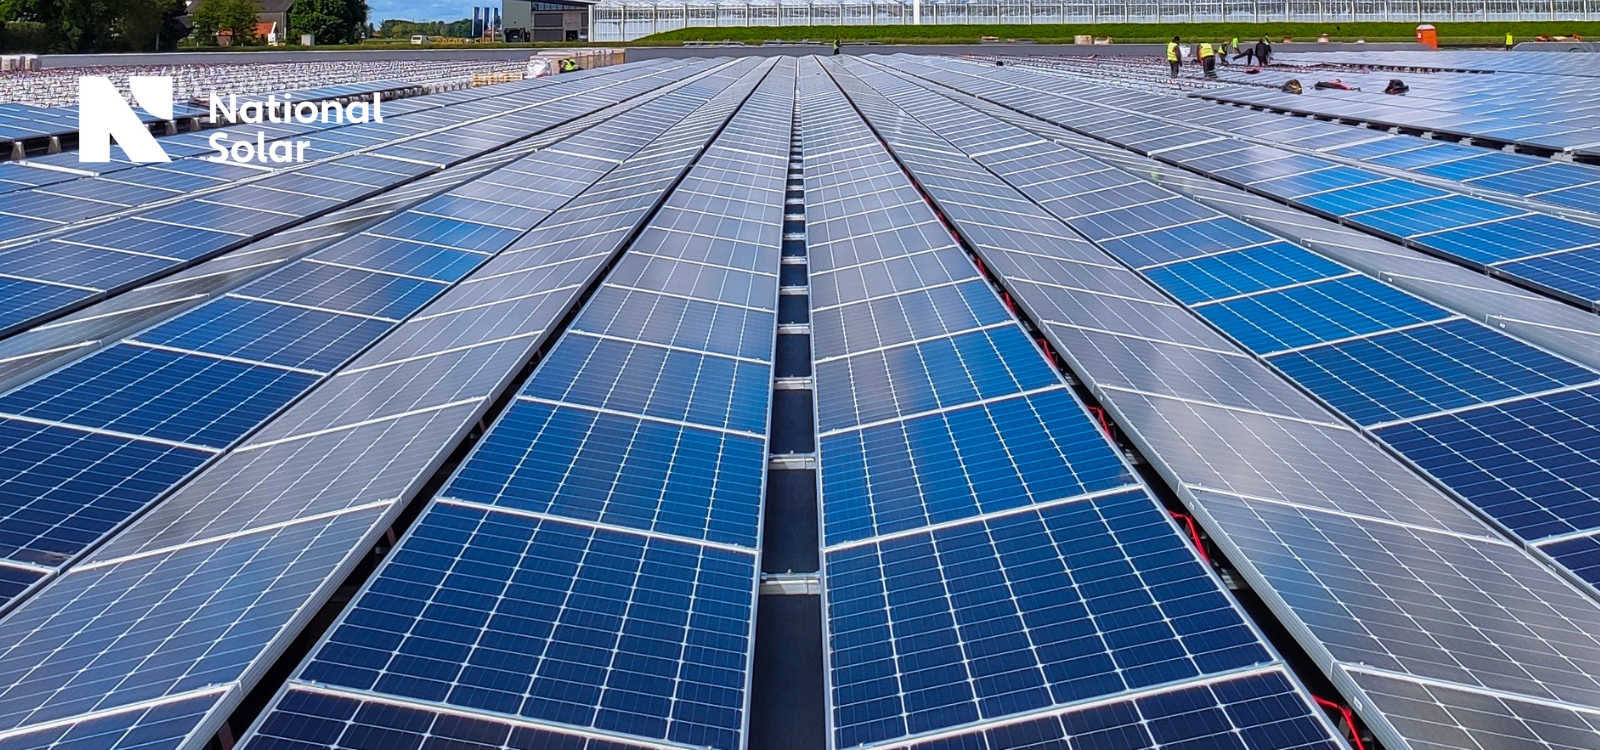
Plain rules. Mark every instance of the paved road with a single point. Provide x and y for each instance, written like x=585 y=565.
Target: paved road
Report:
x=642 y=53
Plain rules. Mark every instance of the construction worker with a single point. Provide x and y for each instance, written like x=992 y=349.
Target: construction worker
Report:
x=1263 y=51
x=1208 y=59
x=1509 y=40
x=836 y=45
x=569 y=65
x=1174 y=59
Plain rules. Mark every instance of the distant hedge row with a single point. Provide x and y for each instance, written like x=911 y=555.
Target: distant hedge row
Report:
x=1457 y=33
x=22 y=36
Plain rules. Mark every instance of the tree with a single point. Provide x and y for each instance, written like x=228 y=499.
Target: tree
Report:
x=149 y=25
x=72 y=25
x=96 y=25
x=235 y=17
x=332 y=21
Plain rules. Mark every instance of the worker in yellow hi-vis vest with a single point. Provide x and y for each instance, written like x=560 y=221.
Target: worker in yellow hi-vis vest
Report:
x=1208 y=59
x=1509 y=40
x=1174 y=59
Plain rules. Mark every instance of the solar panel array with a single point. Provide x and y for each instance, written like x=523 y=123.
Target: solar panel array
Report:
x=260 y=466
x=1191 y=425
x=72 y=267
x=1504 y=424
x=299 y=496
x=92 y=444
x=1528 y=244
x=988 y=553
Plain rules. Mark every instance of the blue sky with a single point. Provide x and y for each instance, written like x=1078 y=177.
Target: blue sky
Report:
x=424 y=10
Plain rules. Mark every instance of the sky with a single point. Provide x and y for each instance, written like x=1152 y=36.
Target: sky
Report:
x=424 y=10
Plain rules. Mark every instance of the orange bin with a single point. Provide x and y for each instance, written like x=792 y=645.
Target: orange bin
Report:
x=1428 y=35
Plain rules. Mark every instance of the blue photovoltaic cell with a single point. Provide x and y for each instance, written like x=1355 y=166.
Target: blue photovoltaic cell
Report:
x=1187 y=241
x=665 y=383
x=437 y=230
x=14 y=581
x=347 y=289
x=1317 y=312
x=1433 y=216
x=1294 y=186
x=1482 y=164
x=60 y=489
x=94 y=267
x=1533 y=464
x=1576 y=273
x=1242 y=272
x=399 y=256
x=899 y=318
x=12 y=227
x=1581 y=556
x=1548 y=176
x=1366 y=197
x=155 y=238
x=156 y=727
x=691 y=324
x=1257 y=712
x=637 y=473
x=1420 y=157
x=1378 y=148
x=931 y=375
x=1513 y=238
x=155 y=393
x=960 y=463
x=265 y=332
x=1016 y=613
x=557 y=622
x=314 y=721
x=1427 y=369
x=25 y=300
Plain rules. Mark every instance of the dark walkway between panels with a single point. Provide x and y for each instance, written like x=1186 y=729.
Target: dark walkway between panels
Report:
x=787 y=699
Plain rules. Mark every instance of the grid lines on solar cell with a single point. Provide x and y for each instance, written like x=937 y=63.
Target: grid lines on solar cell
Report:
x=564 y=623
x=1020 y=612
x=203 y=379
x=194 y=229
x=160 y=724
x=649 y=635
x=1010 y=446
x=1310 y=557
x=302 y=720
x=1410 y=373
x=922 y=443
x=1249 y=712
x=251 y=609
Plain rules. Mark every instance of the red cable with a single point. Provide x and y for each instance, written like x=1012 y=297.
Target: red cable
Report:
x=1194 y=535
x=1349 y=719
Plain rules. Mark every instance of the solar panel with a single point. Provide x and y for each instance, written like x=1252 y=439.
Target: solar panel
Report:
x=164 y=395
x=1418 y=371
x=622 y=459
x=298 y=337
x=196 y=229
x=273 y=521
x=1317 y=312
x=303 y=719
x=1298 y=529
x=948 y=496
x=64 y=487
x=1258 y=710
x=1530 y=462
x=1022 y=611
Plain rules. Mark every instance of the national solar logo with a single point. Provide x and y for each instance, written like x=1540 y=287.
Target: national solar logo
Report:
x=104 y=115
